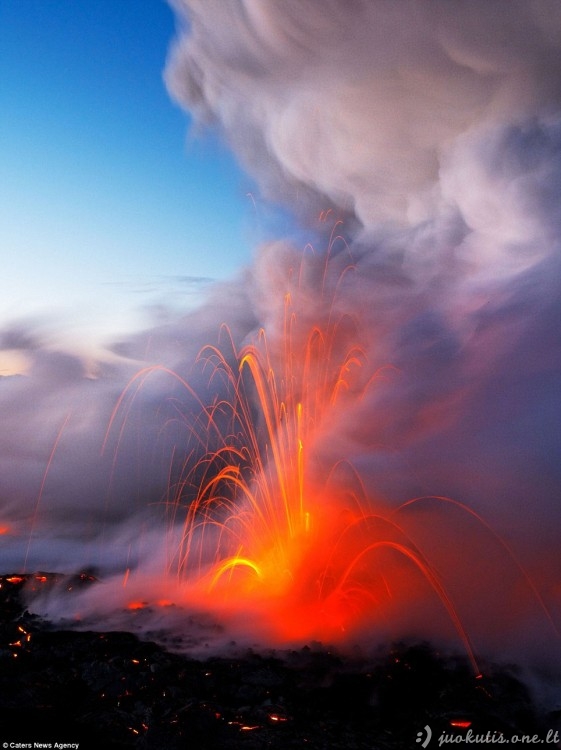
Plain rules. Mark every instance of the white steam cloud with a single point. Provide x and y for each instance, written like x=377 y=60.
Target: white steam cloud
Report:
x=368 y=104
x=434 y=130
x=437 y=126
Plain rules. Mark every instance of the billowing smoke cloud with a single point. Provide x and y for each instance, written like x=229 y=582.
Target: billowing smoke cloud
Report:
x=437 y=128
x=434 y=131
x=366 y=103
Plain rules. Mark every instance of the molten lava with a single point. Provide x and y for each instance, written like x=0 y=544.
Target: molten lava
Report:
x=298 y=548
x=270 y=533
x=274 y=529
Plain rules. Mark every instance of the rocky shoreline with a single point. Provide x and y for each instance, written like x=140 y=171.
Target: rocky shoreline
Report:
x=113 y=690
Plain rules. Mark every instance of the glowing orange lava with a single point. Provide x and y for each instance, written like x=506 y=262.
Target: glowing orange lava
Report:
x=267 y=532
x=271 y=535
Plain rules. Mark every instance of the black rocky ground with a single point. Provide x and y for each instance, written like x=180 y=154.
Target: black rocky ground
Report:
x=112 y=690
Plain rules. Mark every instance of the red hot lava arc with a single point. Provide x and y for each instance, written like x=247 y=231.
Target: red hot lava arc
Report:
x=269 y=534
x=304 y=560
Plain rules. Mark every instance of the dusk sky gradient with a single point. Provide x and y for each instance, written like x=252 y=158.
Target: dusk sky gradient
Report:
x=107 y=204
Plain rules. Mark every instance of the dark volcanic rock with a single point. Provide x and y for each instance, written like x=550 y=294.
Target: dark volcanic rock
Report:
x=111 y=690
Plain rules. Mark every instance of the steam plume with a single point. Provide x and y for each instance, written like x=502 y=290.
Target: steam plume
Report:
x=434 y=131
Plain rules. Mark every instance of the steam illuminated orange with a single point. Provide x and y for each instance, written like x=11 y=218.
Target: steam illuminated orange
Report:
x=300 y=548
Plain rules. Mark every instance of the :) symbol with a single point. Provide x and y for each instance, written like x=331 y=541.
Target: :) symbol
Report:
x=426 y=741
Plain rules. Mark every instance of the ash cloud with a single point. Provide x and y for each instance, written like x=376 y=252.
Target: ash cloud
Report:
x=434 y=130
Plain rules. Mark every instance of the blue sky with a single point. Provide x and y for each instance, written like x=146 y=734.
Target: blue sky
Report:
x=107 y=202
